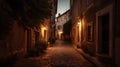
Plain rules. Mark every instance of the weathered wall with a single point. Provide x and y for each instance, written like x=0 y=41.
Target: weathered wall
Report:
x=14 y=43
x=89 y=16
x=75 y=17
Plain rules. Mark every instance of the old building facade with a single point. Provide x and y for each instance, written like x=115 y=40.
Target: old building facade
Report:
x=76 y=22
x=96 y=33
x=61 y=20
x=52 y=21
x=21 y=38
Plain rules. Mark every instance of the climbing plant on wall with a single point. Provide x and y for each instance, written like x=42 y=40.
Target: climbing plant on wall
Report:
x=27 y=12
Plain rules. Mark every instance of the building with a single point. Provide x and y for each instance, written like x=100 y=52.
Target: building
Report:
x=61 y=20
x=52 y=21
x=76 y=23
x=12 y=34
x=95 y=24
x=17 y=38
x=67 y=27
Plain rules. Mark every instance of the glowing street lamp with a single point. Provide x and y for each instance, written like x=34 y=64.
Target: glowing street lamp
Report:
x=43 y=32
x=79 y=31
x=60 y=32
x=44 y=28
x=79 y=23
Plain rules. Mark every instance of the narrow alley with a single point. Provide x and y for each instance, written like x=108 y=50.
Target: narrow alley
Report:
x=60 y=55
x=59 y=33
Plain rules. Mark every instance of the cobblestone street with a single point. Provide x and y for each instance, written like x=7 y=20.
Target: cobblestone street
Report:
x=60 y=55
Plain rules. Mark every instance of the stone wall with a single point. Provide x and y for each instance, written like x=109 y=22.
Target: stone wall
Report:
x=89 y=16
x=14 y=43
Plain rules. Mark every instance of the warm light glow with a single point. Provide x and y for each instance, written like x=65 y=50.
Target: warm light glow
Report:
x=43 y=31
x=44 y=28
x=79 y=30
x=60 y=32
x=79 y=23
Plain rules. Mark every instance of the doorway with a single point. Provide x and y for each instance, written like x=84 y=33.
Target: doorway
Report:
x=28 y=40
x=104 y=33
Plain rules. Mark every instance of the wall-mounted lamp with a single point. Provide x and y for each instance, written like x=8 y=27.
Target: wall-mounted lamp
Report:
x=79 y=22
x=44 y=28
x=60 y=32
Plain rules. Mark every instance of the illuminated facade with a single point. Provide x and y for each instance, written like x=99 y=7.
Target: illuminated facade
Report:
x=52 y=20
x=76 y=22
x=21 y=38
x=61 y=20
x=99 y=25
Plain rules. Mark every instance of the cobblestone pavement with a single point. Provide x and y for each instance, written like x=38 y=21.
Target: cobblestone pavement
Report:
x=58 y=56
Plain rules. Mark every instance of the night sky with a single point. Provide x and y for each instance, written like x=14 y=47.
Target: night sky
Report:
x=63 y=5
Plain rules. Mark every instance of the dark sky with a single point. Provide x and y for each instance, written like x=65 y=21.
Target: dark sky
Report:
x=63 y=5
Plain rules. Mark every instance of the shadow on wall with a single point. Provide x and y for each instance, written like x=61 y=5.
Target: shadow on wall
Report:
x=89 y=48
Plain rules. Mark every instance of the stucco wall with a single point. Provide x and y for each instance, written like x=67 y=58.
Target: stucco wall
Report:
x=14 y=43
x=89 y=16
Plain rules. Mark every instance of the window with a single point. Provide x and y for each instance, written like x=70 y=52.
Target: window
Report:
x=89 y=32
